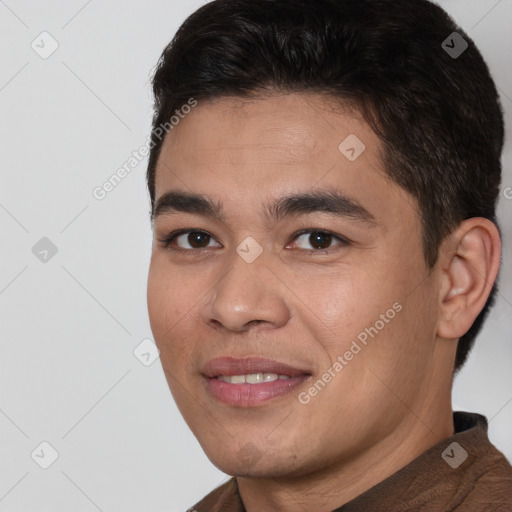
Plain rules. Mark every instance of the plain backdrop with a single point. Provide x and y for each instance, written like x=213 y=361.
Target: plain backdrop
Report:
x=73 y=268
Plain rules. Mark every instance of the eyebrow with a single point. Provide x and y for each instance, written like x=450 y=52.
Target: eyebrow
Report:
x=327 y=201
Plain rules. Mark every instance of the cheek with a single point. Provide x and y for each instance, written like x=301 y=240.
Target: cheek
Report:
x=174 y=305
x=344 y=304
x=159 y=300
x=167 y=304
x=362 y=305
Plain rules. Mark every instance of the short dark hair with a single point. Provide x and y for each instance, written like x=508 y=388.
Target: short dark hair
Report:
x=437 y=114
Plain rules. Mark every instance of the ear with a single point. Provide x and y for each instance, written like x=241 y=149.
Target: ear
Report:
x=470 y=260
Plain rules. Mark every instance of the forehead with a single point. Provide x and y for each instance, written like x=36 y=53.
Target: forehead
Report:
x=293 y=123
x=254 y=148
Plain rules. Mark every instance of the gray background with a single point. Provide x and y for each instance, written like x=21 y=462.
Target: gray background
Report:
x=69 y=325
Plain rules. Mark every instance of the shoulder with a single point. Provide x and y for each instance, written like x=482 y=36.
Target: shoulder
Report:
x=491 y=479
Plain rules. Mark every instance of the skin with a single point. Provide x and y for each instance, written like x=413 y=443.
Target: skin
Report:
x=392 y=401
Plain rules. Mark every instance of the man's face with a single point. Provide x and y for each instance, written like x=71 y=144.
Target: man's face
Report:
x=251 y=293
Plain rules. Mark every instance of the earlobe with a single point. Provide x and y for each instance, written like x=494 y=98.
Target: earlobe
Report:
x=469 y=273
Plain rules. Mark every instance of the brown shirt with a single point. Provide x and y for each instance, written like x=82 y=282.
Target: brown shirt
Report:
x=465 y=472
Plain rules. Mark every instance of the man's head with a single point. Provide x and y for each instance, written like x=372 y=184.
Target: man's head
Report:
x=438 y=118
x=355 y=118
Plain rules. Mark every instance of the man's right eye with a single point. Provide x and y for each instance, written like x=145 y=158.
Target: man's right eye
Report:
x=195 y=239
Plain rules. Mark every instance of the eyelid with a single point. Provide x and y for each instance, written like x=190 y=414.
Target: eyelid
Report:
x=171 y=237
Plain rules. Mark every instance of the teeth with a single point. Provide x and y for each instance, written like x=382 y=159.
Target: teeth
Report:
x=252 y=378
x=255 y=378
x=237 y=379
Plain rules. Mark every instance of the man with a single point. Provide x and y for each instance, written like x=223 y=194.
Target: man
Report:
x=323 y=178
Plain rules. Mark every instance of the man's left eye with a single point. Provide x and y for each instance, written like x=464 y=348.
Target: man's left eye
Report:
x=319 y=240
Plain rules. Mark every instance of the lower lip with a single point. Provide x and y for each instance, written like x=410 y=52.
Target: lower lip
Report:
x=251 y=395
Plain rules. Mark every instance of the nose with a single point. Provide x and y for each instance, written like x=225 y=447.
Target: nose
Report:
x=248 y=295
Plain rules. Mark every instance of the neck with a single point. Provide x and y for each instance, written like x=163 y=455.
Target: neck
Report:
x=332 y=487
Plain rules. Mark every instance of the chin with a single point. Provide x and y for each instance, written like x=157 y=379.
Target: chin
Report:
x=252 y=462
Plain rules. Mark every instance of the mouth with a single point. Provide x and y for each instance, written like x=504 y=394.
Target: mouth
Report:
x=251 y=381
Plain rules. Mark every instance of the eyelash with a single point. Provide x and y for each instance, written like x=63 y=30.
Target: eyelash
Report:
x=167 y=240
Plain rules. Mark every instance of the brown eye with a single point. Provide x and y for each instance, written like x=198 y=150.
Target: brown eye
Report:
x=197 y=239
x=187 y=240
x=318 y=240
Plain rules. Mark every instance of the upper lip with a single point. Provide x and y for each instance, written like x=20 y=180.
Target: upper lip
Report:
x=245 y=366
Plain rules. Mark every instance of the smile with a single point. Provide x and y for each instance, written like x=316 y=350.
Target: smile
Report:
x=250 y=382
x=252 y=378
